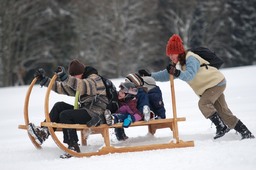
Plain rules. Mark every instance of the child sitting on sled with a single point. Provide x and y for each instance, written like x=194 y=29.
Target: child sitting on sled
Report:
x=127 y=112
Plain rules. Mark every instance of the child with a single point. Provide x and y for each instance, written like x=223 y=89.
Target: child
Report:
x=127 y=112
x=149 y=94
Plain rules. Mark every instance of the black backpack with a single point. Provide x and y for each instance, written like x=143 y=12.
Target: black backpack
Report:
x=111 y=95
x=209 y=56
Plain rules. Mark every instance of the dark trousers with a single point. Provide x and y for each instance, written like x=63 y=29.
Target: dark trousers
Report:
x=64 y=113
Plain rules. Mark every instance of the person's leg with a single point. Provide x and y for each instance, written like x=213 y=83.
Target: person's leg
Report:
x=120 y=134
x=225 y=113
x=79 y=116
x=231 y=120
x=206 y=105
x=57 y=109
x=41 y=133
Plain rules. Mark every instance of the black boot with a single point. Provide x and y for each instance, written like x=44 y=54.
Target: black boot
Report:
x=243 y=130
x=120 y=134
x=72 y=146
x=221 y=128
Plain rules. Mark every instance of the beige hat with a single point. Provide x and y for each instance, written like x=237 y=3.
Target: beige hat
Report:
x=149 y=82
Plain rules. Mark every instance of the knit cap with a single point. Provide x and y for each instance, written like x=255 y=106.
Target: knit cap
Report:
x=76 y=68
x=174 y=45
x=135 y=78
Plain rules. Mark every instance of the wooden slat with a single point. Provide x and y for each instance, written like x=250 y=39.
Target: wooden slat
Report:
x=22 y=127
x=118 y=125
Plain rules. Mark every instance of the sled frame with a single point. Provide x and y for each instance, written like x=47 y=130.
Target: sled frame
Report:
x=103 y=129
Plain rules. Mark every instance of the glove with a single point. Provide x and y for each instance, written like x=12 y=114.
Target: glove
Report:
x=144 y=72
x=171 y=69
x=40 y=75
x=127 y=121
x=61 y=73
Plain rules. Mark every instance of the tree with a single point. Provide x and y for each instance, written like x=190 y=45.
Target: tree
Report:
x=34 y=34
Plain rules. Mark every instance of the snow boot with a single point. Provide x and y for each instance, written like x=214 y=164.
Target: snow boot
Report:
x=95 y=121
x=221 y=128
x=146 y=113
x=243 y=130
x=40 y=134
x=109 y=118
x=74 y=147
x=120 y=134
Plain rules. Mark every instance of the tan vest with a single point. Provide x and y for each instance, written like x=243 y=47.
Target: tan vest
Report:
x=204 y=78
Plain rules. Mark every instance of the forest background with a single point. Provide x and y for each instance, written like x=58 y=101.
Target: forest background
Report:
x=118 y=36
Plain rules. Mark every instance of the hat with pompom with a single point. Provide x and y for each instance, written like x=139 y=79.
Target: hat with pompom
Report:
x=174 y=45
x=76 y=68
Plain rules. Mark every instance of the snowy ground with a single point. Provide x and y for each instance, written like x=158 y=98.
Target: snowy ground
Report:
x=17 y=152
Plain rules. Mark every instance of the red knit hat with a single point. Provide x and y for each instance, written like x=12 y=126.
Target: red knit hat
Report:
x=76 y=68
x=174 y=45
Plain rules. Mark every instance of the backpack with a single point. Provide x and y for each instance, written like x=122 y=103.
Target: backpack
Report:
x=209 y=56
x=111 y=95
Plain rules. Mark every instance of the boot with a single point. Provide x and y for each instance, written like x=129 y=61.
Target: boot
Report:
x=40 y=134
x=221 y=128
x=243 y=130
x=109 y=118
x=146 y=113
x=74 y=147
x=120 y=134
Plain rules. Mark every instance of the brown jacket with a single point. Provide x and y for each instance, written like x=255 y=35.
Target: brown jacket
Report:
x=92 y=93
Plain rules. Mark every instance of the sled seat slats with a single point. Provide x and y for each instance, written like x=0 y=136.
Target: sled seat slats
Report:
x=103 y=129
x=118 y=125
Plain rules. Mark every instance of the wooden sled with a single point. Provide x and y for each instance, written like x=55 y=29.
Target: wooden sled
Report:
x=103 y=129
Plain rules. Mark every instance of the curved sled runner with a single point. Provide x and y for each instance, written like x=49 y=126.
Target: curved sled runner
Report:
x=26 y=115
x=103 y=129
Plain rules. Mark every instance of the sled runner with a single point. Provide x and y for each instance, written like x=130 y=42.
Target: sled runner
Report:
x=103 y=129
x=26 y=117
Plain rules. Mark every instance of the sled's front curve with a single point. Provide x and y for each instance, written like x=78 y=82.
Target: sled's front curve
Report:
x=26 y=114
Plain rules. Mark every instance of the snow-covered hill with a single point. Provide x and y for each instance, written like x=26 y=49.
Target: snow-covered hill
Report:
x=17 y=152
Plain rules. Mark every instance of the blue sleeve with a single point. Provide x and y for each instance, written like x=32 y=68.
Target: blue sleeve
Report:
x=162 y=75
x=192 y=66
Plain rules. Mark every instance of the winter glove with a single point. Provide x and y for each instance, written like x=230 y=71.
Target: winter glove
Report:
x=144 y=72
x=127 y=121
x=171 y=69
x=61 y=73
x=40 y=75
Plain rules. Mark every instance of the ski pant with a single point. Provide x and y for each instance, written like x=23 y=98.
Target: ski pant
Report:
x=64 y=113
x=213 y=100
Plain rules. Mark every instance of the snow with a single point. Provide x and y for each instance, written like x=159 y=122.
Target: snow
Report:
x=228 y=152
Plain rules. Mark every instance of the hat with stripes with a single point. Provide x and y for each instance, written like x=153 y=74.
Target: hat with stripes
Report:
x=135 y=78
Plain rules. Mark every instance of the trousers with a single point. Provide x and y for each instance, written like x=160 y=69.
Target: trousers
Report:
x=64 y=113
x=213 y=100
